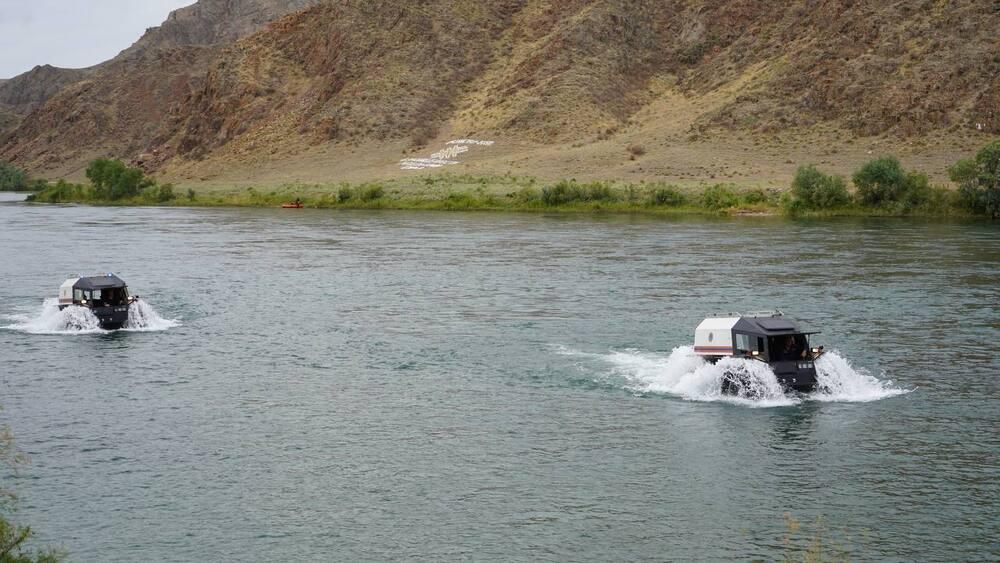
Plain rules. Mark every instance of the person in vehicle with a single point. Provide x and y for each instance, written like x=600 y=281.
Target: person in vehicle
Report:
x=791 y=350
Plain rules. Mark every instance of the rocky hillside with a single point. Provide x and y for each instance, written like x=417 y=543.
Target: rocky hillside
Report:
x=344 y=74
x=213 y=22
x=205 y=23
x=26 y=92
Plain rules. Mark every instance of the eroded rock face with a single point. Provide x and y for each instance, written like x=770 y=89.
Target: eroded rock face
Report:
x=23 y=93
x=207 y=22
x=545 y=72
x=212 y=22
x=37 y=85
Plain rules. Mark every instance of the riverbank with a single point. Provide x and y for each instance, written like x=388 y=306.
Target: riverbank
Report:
x=511 y=194
x=880 y=188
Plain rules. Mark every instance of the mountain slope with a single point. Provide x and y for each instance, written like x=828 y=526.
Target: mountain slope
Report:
x=27 y=91
x=214 y=22
x=566 y=76
x=204 y=23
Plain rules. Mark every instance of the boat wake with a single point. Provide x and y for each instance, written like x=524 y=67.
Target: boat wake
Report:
x=80 y=320
x=687 y=375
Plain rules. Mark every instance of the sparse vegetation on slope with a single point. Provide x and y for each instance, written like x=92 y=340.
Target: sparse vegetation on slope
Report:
x=342 y=75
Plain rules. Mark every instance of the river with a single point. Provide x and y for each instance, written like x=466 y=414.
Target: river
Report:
x=358 y=385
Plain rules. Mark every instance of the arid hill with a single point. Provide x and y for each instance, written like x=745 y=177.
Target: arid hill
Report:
x=205 y=23
x=26 y=92
x=572 y=81
x=213 y=22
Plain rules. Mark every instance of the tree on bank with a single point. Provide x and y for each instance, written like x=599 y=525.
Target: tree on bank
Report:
x=978 y=180
x=113 y=179
x=12 y=178
x=813 y=189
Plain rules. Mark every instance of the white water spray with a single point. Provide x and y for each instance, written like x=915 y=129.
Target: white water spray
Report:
x=81 y=320
x=142 y=317
x=837 y=380
x=685 y=374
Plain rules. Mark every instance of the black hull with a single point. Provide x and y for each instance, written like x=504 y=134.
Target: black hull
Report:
x=790 y=376
x=108 y=318
x=793 y=377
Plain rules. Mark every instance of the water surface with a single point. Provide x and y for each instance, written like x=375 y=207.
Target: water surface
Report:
x=375 y=385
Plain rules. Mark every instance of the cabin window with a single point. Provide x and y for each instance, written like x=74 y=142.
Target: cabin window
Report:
x=97 y=295
x=743 y=342
x=77 y=295
x=749 y=343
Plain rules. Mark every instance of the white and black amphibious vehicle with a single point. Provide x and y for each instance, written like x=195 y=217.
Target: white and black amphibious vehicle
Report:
x=106 y=296
x=767 y=337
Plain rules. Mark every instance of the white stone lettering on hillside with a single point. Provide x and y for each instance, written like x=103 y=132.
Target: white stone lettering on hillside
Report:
x=445 y=156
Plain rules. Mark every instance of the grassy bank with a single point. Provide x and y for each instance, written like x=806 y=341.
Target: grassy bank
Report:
x=521 y=194
x=880 y=188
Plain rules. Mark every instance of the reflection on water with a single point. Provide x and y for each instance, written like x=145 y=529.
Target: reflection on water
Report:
x=502 y=386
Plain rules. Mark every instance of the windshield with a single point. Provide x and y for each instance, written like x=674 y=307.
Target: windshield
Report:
x=789 y=347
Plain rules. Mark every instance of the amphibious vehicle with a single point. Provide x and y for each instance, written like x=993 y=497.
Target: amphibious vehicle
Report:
x=106 y=296
x=765 y=336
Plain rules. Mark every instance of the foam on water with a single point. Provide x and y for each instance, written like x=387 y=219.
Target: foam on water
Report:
x=80 y=320
x=143 y=318
x=687 y=375
x=839 y=381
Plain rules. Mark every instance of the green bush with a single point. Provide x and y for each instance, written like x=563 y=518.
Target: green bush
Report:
x=59 y=192
x=599 y=191
x=669 y=197
x=345 y=194
x=561 y=193
x=813 y=189
x=979 y=181
x=165 y=193
x=719 y=196
x=113 y=179
x=372 y=192
x=917 y=192
x=881 y=181
x=190 y=194
x=754 y=197
x=12 y=178
x=569 y=191
x=527 y=195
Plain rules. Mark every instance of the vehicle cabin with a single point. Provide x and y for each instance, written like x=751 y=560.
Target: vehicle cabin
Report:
x=107 y=296
x=97 y=291
x=771 y=338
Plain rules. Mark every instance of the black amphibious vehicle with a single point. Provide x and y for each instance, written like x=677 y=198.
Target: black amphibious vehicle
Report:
x=106 y=296
x=764 y=336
